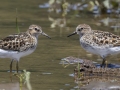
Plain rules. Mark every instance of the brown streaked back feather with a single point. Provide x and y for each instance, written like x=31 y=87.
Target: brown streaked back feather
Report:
x=100 y=38
x=17 y=42
x=105 y=38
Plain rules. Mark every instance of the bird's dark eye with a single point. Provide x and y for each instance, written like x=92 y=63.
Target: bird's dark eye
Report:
x=79 y=29
x=36 y=29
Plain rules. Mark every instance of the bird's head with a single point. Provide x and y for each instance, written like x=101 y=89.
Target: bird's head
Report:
x=36 y=30
x=81 y=30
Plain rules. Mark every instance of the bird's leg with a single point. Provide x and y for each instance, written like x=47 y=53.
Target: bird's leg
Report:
x=103 y=62
x=17 y=66
x=11 y=69
x=11 y=66
x=106 y=64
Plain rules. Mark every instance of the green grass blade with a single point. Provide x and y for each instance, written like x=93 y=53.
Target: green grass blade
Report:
x=17 y=27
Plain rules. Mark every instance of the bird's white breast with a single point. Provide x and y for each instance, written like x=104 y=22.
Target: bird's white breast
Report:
x=103 y=51
x=114 y=50
x=14 y=54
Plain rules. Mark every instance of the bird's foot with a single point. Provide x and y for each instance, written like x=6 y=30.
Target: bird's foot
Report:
x=104 y=65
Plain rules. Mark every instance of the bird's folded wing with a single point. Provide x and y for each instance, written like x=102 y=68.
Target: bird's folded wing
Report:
x=15 y=42
x=105 y=38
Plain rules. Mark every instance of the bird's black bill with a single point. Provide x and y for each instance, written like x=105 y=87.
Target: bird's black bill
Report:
x=48 y=37
x=44 y=34
x=72 y=34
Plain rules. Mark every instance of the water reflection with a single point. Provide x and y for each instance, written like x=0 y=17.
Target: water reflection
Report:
x=12 y=86
x=98 y=85
x=89 y=75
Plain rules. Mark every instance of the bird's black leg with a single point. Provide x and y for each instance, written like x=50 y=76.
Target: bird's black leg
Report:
x=17 y=68
x=103 y=62
x=11 y=66
x=11 y=69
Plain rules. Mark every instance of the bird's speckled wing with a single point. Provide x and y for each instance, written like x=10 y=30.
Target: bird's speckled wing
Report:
x=17 y=42
x=106 y=38
x=101 y=38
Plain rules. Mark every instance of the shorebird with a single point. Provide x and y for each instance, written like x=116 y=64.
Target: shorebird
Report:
x=97 y=42
x=16 y=46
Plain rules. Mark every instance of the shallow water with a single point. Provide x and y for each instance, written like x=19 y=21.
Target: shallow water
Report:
x=46 y=72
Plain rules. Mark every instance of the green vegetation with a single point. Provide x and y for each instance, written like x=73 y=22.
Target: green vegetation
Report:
x=17 y=27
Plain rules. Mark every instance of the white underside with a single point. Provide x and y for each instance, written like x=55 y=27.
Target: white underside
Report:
x=14 y=54
x=103 y=52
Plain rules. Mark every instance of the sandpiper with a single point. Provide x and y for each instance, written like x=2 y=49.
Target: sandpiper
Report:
x=98 y=42
x=16 y=46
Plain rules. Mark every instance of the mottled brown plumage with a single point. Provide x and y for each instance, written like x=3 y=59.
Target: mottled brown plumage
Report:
x=100 y=38
x=18 y=42
x=16 y=46
x=98 y=42
x=105 y=38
